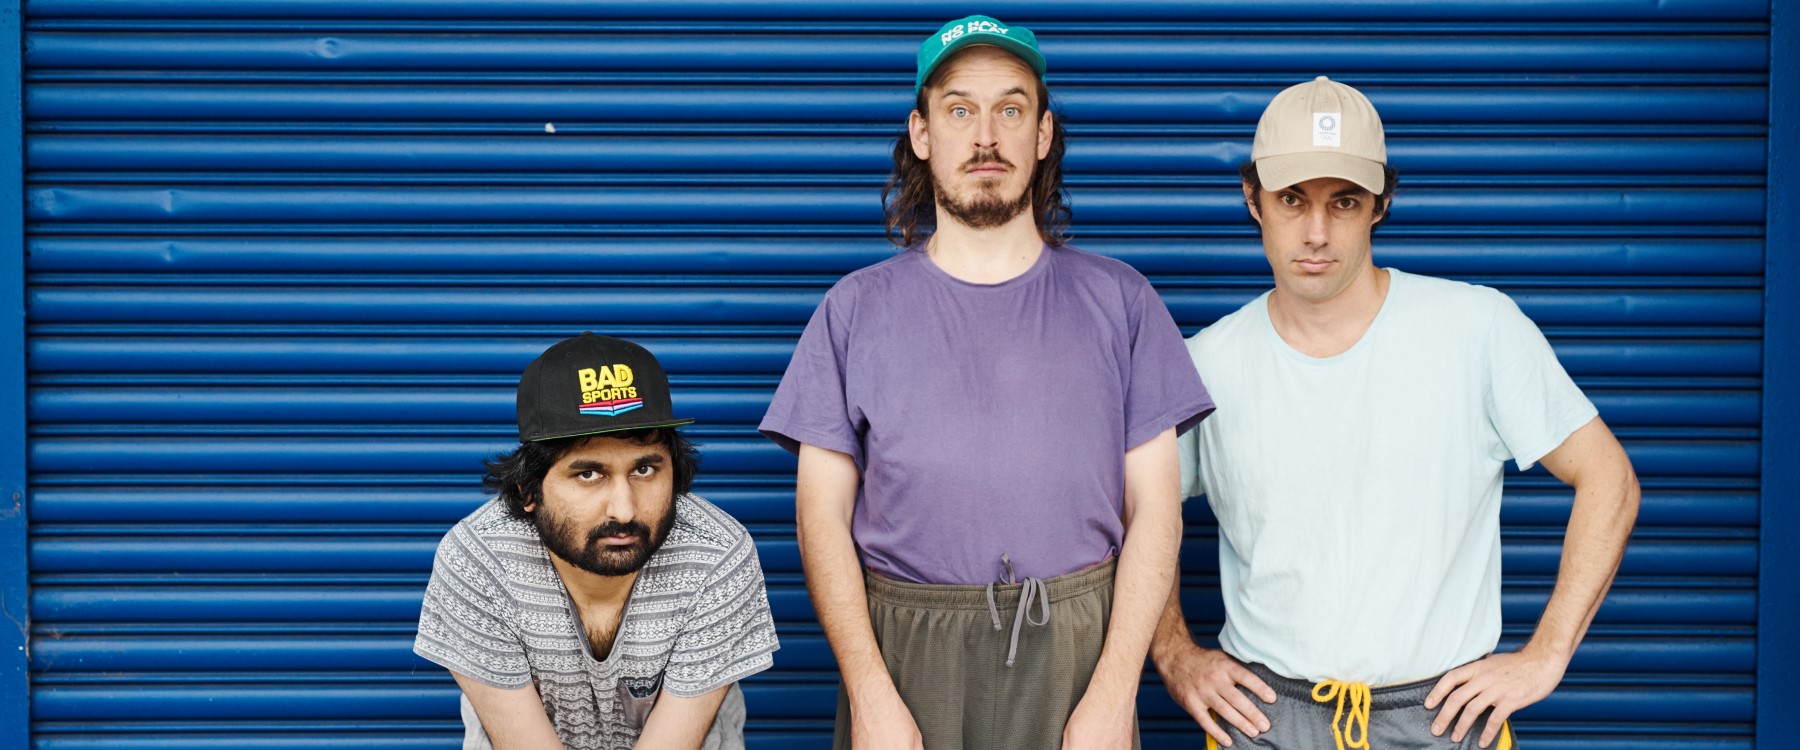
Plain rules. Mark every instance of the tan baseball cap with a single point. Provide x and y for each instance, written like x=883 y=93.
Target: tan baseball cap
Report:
x=1320 y=128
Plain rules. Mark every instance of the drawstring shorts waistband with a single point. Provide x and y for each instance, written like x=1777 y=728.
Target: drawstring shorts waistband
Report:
x=1032 y=590
x=1359 y=698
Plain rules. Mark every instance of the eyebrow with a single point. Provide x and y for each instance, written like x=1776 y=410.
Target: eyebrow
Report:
x=966 y=95
x=1350 y=192
x=585 y=464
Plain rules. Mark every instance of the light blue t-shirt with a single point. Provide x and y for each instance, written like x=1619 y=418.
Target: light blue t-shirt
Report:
x=1358 y=496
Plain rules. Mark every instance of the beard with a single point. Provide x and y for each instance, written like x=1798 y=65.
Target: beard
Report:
x=584 y=550
x=986 y=209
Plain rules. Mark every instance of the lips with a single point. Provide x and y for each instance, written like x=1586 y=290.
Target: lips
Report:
x=1310 y=265
x=615 y=534
x=618 y=540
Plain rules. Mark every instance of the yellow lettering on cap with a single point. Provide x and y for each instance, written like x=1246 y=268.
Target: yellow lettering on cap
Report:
x=586 y=376
x=622 y=375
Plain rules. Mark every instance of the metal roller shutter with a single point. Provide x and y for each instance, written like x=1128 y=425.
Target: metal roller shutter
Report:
x=287 y=258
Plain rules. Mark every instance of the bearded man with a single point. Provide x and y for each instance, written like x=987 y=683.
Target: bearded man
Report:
x=594 y=602
x=986 y=427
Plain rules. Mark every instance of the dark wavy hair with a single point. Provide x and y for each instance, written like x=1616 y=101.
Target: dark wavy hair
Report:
x=911 y=204
x=518 y=477
x=1384 y=203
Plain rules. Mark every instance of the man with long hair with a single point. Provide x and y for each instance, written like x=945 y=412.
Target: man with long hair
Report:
x=594 y=602
x=986 y=432
x=1356 y=474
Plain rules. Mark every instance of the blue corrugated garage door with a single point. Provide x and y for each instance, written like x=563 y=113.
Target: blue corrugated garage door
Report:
x=287 y=258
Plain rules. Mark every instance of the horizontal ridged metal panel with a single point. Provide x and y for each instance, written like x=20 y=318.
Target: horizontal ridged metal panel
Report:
x=287 y=257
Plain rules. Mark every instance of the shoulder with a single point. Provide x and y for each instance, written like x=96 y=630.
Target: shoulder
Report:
x=703 y=537
x=490 y=542
x=1446 y=301
x=492 y=527
x=873 y=278
x=1234 y=325
x=1100 y=267
x=1448 y=290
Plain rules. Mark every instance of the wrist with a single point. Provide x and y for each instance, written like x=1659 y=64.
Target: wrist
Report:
x=870 y=692
x=1110 y=694
x=1549 y=648
x=1167 y=645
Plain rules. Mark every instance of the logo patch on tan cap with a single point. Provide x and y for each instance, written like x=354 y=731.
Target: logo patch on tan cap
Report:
x=1327 y=129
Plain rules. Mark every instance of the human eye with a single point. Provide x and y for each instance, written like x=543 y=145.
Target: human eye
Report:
x=1288 y=199
x=959 y=111
x=644 y=471
x=588 y=475
x=1347 y=204
x=1012 y=111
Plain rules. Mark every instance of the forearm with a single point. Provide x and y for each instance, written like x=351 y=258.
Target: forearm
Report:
x=825 y=499
x=1600 y=525
x=1172 y=628
x=1142 y=584
x=834 y=579
x=1146 y=567
x=512 y=719
x=680 y=723
x=1606 y=504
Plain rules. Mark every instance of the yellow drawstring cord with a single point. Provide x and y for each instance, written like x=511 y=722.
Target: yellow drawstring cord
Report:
x=1358 y=695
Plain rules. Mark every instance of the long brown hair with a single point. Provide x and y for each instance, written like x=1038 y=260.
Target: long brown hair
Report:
x=911 y=205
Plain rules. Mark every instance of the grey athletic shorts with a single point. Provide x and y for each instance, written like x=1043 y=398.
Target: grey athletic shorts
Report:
x=1396 y=719
x=947 y=649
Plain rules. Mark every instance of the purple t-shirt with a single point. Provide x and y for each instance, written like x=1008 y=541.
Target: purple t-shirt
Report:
x=987 y=418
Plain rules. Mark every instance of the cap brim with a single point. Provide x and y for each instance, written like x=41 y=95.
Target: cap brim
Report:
x=620 y=428
x=1019 y=49
x=1286 y=170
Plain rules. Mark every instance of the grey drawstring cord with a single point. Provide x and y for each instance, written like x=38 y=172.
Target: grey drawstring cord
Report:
x=1033 y=589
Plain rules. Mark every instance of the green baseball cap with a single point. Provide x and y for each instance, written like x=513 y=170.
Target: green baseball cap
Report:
x=974 y=30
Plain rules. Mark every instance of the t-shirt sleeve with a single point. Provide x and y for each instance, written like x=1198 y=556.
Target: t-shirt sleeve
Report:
x=729 y=633
x=812 y=403
x=1164 y=389
x=1187 y=445
x=465 y=623
x=1532 y=402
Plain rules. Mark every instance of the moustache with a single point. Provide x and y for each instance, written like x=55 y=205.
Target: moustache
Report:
x=616 y=528
x=986 y=157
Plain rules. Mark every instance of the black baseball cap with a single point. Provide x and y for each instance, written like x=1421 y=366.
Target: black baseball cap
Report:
x=591 y=385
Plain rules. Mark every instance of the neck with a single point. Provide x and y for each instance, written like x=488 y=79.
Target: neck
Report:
x=588 y=589
x=985 y=256
x=1328 y=327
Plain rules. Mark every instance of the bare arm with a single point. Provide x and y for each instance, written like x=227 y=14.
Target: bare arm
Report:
x=1141 y=584
x=514 y=719
x=678 y=723
x=1203 y=679
x=825 y=496
x=1606 y=504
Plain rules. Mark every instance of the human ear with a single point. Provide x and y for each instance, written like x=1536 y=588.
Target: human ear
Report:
x=917 y=133
x=1250 y=203
x=1046 y=129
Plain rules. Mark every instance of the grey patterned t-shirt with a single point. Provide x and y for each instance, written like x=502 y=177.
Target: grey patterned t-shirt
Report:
x=697 y=620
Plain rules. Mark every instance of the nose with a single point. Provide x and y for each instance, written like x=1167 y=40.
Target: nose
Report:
x=619 y=501
x=987 y=131
x=1316 y=224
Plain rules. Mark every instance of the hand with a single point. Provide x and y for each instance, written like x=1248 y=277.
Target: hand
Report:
x=884 y=723
x=1203 y=679
x=1100 y=724
x=1503 y=682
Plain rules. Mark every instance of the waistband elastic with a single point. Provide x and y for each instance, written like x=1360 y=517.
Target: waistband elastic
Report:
x=975 y=596
x=1398 y=695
